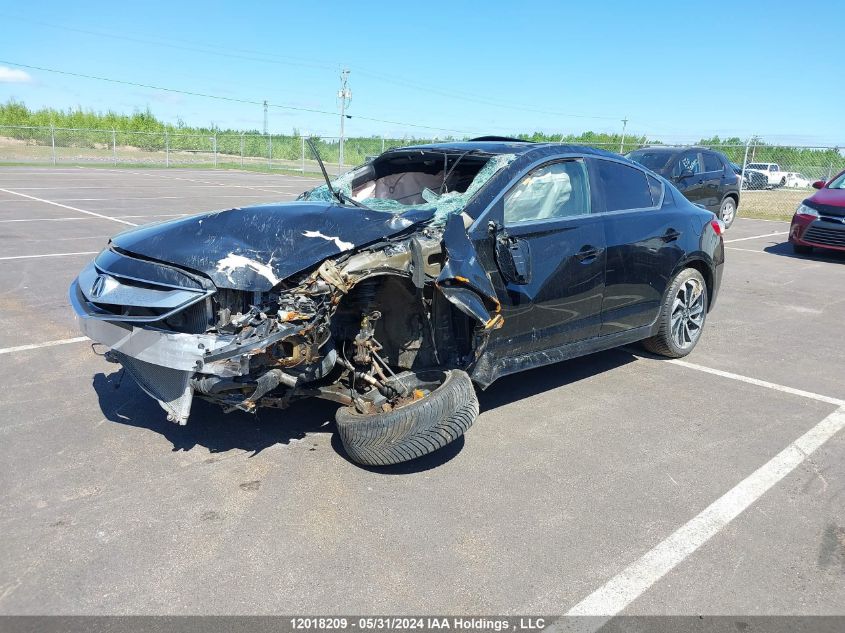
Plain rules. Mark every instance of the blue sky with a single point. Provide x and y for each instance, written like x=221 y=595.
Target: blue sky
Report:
x=677 y=70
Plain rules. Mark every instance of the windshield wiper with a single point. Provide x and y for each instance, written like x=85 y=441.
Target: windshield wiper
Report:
x=341 y=197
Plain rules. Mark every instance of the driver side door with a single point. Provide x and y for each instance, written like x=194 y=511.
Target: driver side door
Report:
x=550 y=259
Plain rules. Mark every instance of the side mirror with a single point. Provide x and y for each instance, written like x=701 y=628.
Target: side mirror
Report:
x=513 y=255
x=819 y=184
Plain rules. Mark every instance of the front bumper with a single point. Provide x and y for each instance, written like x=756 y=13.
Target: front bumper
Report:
x=163 y=362
x=821 y=232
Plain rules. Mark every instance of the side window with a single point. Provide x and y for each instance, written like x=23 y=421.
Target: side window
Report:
x=558 y=190
x=624 y=187
x=655 y=187
x=712 y=162
x=775 y=168
x=687 y=163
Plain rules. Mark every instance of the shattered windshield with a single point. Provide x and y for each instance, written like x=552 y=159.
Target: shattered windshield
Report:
x=444 y=204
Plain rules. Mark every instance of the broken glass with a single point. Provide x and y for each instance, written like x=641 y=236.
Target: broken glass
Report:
x=443 y=204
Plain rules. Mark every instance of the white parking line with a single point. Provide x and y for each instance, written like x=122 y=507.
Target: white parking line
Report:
x=23 y=348
x=48 y=255
x=756 y=237
x=628 y=585
x=64 y=206
x=621 y=590
x=217 y=184
x=152 y=215
x=747 y=250
x=760 y=383
x=125 y=198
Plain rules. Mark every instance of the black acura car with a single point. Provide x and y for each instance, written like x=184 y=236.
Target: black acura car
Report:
x=704 y=176
x=397 y=288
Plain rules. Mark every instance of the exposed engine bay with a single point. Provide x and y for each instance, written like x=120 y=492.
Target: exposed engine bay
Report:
x=238 y=330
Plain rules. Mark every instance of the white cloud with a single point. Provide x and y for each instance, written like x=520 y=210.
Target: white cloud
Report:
x=13 y=76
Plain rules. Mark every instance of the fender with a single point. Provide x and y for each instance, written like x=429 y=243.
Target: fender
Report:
x=463 y=281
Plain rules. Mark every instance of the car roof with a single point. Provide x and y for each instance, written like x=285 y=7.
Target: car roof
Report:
x=506 y=146
x=673 y=148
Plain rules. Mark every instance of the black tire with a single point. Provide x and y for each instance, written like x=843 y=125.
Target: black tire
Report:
x=665 y=342
x=800 y=249
x=728 y=211
x=415 y=429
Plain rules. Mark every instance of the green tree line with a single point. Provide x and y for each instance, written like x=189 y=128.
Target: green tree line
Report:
x=144 y=131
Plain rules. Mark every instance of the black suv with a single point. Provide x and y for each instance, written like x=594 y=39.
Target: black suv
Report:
x=705 y=177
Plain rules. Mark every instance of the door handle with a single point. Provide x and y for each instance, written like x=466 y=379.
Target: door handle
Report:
x=670 y=236
x=587 y=254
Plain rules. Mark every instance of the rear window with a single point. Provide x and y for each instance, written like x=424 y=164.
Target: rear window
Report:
x=655 y=187
x=624 y=187
x=712 y=162
x=654 y=161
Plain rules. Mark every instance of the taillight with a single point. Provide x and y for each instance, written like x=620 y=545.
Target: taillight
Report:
x=717 y=225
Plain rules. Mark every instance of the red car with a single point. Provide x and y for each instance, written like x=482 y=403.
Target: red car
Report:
x=819 y=221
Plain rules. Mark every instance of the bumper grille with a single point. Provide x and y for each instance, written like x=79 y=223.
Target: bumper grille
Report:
x=171 y=387
x=825 y=236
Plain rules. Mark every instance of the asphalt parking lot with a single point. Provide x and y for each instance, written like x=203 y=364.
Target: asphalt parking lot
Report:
x=612 y=483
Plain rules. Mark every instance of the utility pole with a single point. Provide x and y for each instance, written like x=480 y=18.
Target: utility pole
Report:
x=265 y=117
x=345 y=96
x=622 y=144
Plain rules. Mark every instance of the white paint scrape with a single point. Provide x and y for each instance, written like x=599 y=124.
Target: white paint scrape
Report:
x=341 y=245
x=232 y=262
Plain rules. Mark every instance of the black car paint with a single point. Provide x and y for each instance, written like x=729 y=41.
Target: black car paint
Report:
x=272 y=235
x=593 y=281
x=707 y=188
x=570 y=309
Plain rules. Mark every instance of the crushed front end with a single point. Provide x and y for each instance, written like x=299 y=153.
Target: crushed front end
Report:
x=179 y=336
x=257 y=306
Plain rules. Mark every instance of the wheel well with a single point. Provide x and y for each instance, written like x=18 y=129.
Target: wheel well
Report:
x=418 y=327
x=733 y=195
x=705 y=271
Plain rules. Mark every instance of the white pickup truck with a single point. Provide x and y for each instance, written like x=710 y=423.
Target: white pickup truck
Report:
x=771 y=171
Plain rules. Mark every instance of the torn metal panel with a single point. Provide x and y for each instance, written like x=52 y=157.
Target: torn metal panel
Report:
x=462 y=266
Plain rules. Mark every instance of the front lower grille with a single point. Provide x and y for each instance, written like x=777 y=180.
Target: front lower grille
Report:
x=825 y=236
x=170 y=387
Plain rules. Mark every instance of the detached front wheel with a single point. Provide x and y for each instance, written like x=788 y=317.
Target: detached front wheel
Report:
x=439 y=407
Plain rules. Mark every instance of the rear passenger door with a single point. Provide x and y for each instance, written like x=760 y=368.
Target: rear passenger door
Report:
x=714 y=181
x=642 y=234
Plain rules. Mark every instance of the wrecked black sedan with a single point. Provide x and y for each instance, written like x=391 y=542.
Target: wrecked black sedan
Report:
x=397 y=288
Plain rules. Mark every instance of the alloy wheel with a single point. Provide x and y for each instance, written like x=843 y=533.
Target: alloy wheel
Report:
x=728 y=211
x=688 y=313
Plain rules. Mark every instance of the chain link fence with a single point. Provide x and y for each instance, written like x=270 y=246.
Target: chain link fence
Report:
x=776 y=178
x=65 y=146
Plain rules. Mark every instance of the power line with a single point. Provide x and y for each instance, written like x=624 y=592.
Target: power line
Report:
x=230 y=99
x=248 y=55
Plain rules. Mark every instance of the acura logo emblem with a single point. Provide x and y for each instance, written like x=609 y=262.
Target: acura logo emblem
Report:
x=98 y=286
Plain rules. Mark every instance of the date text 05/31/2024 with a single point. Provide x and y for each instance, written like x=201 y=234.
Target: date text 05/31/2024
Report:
x=466 y=624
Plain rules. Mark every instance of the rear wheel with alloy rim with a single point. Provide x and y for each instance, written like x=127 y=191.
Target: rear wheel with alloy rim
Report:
x=682 y=316
x=727 y=212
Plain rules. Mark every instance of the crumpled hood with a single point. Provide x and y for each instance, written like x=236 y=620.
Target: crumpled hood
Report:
x=254 y=248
